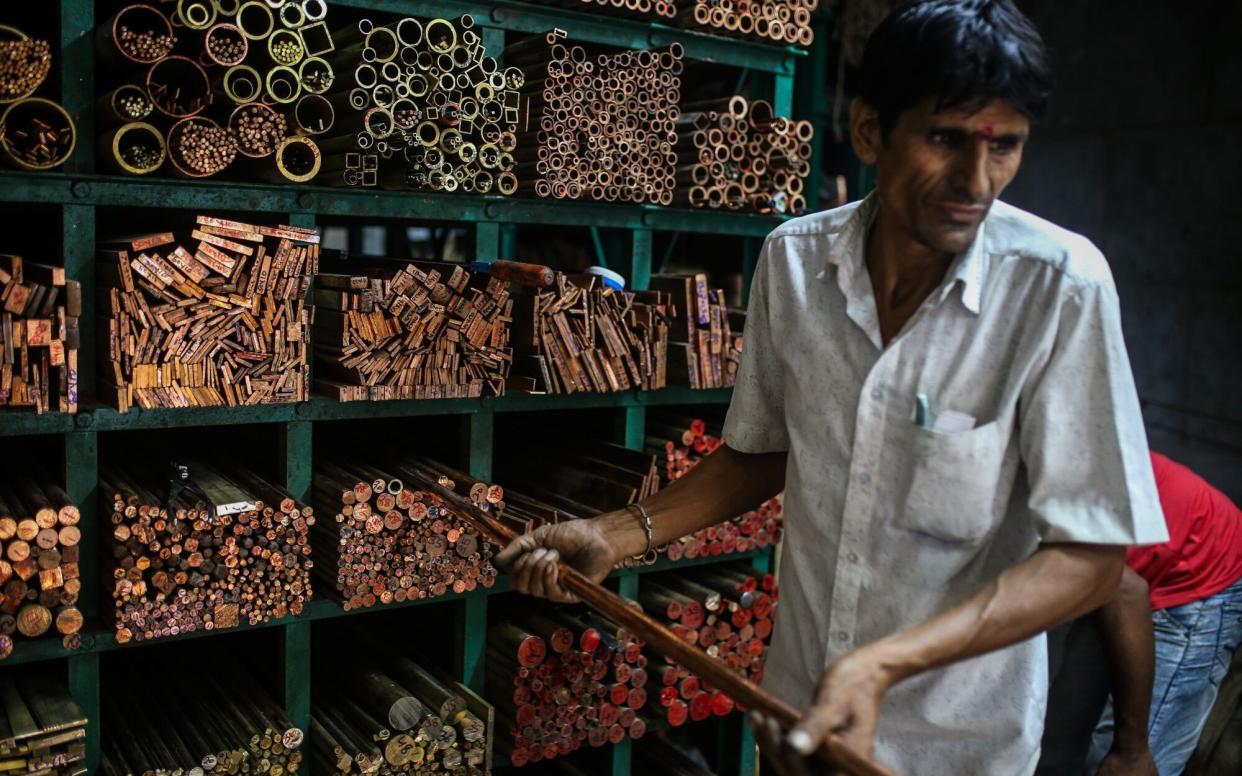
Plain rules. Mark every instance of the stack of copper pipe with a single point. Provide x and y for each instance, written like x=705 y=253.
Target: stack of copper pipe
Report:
x=35 y=133
x=197 y=547
x=581 y=335
x=39 y=536
x=736 y=154
x=725 y=610
x=682 y=443
x=561 y=678
x=398 y=330
x=425 y=108
x=634 y=9
x=600 y=126
x=215 y=85
x=40 y=335
x=160 y=718
x=393 y=540
x=780 y=21
x=222 y=322
x=389 y=715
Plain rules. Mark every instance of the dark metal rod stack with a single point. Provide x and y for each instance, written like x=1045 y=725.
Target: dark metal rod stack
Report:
x=180 y=566
x=563 y=678
x=725 y=611
x=397 y=330
x=781 y=21
x=44 y=729
x=600 y=127
x=217 y=86
x=737 y=155
x=389 y=714
x=219 y=320
x=196 y=721
x=39 y=568
x=40 y=336
x=425 y=107
x=393 y=540
x=682 y=443
x=581 y=335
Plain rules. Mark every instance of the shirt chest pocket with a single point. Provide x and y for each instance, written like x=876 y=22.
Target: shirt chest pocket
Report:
x=951 y=487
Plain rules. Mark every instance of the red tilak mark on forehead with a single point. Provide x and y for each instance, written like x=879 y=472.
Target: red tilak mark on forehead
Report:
x=986 y=133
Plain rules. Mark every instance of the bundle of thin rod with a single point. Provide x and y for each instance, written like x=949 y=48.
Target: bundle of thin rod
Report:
x=396 y=330
x=394 y=539
x=682 y=443
x=199 y=547
x=658 y=637
x=39 y=570
x=780 y=21
x=705 y=336
x=740 y=156
x=194 y=721
x=583 y=336
x=39 y=336
x=24 y=64
x=44 y=727
x=634 y=9
x=222 y=323
x=561 y=678
x=426 y=108
x=601 y=127
x=394 y=713
x=238 y=86
x=726 y=611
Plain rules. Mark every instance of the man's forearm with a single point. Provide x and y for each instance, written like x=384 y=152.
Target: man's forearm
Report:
x=723 y=485
x=1054 y=585
x=1126 y=623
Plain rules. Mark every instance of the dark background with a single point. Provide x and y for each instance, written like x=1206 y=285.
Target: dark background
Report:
x=1142 y=153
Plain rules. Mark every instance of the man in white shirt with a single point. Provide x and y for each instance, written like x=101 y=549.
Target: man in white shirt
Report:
x=939 y=384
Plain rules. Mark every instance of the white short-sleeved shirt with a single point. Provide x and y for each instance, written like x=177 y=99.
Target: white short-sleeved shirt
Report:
x=889 y=522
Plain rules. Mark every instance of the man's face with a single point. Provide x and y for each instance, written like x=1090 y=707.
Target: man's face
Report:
x=937 y=173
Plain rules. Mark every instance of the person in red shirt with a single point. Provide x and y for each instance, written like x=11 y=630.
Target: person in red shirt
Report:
x=1162 y=646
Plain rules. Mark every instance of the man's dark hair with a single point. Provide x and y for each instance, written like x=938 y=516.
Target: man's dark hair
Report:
x=960 y=53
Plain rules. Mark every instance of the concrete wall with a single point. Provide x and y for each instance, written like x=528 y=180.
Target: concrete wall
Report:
x=1142 y=152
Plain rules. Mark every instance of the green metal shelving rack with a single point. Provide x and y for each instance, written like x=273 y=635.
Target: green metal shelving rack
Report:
x=77 y=192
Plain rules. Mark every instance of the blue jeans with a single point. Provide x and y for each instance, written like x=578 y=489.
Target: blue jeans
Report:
x=1194 y=647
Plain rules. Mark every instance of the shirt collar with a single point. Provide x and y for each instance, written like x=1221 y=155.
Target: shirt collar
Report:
x=849 y=250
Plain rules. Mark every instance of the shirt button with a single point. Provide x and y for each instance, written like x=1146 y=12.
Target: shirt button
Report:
x=853 y=557
x=877 y=393
x=843 y=636
x=864 y=478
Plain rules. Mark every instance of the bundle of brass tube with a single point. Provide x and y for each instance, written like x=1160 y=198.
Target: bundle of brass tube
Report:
x=251 y=73
x=424 y=108
x=601 y=127
x=737 y=155
x=24 y=64
x=632 y=9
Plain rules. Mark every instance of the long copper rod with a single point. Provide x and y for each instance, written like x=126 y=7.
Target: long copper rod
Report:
x=611 y=605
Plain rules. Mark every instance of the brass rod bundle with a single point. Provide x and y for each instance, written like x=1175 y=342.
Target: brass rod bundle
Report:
x=24 y=64
x=137 y=148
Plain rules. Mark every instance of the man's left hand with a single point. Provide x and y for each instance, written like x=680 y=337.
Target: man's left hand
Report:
x=847 y=704
x=1121 y=762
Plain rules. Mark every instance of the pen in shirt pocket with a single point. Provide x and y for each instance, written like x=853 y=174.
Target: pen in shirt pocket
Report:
x=922 y=411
